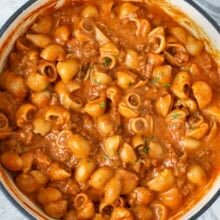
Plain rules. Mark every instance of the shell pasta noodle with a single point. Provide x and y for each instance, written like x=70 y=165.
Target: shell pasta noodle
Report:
x=110 y=111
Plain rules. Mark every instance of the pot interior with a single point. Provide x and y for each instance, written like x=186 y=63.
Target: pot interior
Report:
x=191 y=19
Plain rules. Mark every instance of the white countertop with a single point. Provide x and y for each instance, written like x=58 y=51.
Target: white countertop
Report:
x=8 y=209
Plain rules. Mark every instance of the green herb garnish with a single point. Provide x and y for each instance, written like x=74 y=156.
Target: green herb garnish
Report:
x=175 y=115
x=146 y=149
x=96 y=81
x=103 y=105
x=155 y=80
x=146 y=140
x=107 y=61
x=166 y=85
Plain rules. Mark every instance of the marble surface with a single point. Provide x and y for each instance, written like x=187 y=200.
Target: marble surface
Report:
x=9 y=210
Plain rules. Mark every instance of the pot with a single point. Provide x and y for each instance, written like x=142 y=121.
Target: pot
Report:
x=186 y=13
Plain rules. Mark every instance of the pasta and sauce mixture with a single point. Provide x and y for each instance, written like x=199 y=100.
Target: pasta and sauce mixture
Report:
x=110 y=111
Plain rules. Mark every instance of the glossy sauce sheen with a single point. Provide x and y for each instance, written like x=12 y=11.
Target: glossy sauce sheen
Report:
x=110 y=111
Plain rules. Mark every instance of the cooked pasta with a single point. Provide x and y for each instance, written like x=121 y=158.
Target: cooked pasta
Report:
x=110 y=111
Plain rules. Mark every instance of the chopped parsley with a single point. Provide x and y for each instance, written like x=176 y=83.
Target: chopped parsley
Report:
x=146 y=149
x=107 y=61
x=155 y=80
x=166 y=85
x=103 y=105
x=143 y=149
x=96 y=81
x=175 y=115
